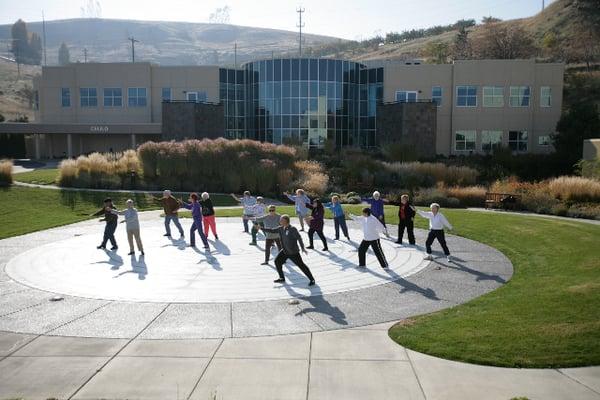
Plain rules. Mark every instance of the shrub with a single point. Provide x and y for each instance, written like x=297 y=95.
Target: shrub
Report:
x=425 y=197
x=575 y=188
x=6 y=167
x=68 y=172
x=589 y=168
x=418 y=174
x=312 y=177
x=470 y=196
x=584 y=210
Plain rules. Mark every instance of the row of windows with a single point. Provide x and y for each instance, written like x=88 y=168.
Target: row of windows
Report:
x=493 y=96
x=491 y=139
x=113 y=97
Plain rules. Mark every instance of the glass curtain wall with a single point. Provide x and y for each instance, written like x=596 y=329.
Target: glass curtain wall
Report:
x=303 y=100
x=232 y=93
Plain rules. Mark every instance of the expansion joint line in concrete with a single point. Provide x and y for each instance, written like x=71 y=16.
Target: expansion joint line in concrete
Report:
x=118 y=352
x=415 y=372
x=205 y=369
x=309 y=365
x=577 y=381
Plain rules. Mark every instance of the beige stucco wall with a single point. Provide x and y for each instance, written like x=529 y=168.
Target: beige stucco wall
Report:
x=536 y=120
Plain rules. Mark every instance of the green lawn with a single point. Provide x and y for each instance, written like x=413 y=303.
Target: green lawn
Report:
x=39 y=176
x=547 y=315
x=27 y=210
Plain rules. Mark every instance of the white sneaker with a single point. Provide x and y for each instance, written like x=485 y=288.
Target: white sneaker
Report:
x=449 y=259
x=428 y=257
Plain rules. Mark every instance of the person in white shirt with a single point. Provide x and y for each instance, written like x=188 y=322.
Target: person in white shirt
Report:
x=133 y=226
x=437 y=222
x=371 y=228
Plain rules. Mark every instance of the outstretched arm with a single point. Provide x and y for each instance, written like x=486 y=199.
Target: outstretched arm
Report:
x=236 y=198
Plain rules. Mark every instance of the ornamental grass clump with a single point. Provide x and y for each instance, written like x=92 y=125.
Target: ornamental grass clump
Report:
x=68 y=172
x=6 y=167
x=575 y=189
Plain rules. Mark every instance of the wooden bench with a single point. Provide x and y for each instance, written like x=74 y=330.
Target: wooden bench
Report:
x=506 y=201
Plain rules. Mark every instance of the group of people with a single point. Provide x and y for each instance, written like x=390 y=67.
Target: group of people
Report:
x=278 y=229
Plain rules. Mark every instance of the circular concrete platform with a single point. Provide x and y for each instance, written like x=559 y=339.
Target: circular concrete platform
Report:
x=172 y=272
x=178 y=292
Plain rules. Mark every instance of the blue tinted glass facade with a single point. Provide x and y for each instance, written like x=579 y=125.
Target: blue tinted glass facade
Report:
x=302 y=100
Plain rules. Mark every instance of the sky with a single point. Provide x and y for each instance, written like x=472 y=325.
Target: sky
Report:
x=348 y=19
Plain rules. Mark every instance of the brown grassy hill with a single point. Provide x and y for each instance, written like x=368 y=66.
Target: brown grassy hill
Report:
x=15 y=90
x=563 y=18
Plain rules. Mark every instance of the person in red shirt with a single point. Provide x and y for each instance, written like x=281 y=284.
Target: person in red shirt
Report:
x=406 y=216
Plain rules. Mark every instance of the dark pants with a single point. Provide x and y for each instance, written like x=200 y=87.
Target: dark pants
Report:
x=311 y=232
x=410 y=230
x=282 y=258
x=254 y=231
x=340 y=222
x=439 y=235
x=381 y=219
x=175 y=219
x=109 y=234
x=197 y=226
x=268 y=244
x=376 y=246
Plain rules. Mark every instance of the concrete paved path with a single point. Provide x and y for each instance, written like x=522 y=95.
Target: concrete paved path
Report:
x=358 y=363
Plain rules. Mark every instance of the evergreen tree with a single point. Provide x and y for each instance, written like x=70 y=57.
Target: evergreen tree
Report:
x=20 y=42
x=64 y=56
x=35 y=49
x=462 y=49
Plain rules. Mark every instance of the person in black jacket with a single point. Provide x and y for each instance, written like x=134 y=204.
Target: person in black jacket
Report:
x=208 y=215
x=290 y=237
x=406 y=217
x=111 y=224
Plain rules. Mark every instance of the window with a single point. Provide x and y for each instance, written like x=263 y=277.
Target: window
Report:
x=493 y=96
x=545 y=96
x=544 y=140
x=406 y=96
x=465 y=140
x=436 y=95
x=466 y=96
x=136 y=97
x=519 y=96
x=88 y=97
x=198 y=97
x=65 y=97
x=165 y=94
x=517 y=140
x=491 y=140
x=113 y=97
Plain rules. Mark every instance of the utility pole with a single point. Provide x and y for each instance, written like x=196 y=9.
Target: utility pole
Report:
x=235 y=55
x=300 y=25
x=543 y=4
x=133 y=42
x=44 y=35
x=84 y=55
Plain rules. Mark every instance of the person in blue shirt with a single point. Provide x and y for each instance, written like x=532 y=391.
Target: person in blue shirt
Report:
x=194 y=205
x=339 y=217
x=300 y=201
x=377 y=203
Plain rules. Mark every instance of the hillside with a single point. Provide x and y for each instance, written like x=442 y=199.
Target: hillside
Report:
x=15 y=90
x=167 y=43
x=561 y=17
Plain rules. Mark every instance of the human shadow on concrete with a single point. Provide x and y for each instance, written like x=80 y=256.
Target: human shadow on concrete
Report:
x=479 y=275
x=320 y=305
x=179 y=243
x=138 y=267
x=220 y=247
x=407 y=286
x=210 y=259
x=114 y=260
